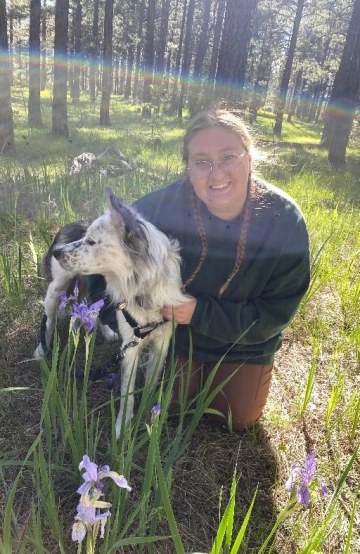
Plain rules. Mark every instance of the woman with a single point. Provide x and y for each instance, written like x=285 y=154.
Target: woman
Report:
x=245 y=252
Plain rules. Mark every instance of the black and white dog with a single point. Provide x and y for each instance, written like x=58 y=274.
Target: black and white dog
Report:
x=141 y=267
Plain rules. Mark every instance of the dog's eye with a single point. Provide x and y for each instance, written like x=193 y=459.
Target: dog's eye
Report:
x=90 y=242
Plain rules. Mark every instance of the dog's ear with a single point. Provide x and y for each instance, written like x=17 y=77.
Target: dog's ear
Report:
x=116 y=207
x=124 y=218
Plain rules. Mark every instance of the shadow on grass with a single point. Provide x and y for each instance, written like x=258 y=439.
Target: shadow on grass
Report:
x=204 y=474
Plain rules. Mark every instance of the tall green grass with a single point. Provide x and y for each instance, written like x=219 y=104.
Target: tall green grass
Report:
x=40 y=197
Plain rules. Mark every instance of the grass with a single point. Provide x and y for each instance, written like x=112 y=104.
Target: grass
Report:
x=181 y=470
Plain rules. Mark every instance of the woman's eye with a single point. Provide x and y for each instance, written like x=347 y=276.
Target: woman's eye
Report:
x=228 y=157
x=90 y=242
x=201 y=163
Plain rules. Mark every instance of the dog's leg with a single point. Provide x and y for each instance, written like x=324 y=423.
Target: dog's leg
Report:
x=128 y=376
x=108 y=334
x=129 y=367
x=158 y=351
x=60 y=282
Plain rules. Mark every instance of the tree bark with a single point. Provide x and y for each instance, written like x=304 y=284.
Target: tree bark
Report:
x=149 y=52
x=95 y=52
x=217 y=37
x=340 y=111
x=163 y=35
x=43 y=46
x=234 y=46
x=6 y=114
x=34 y=109
x=284 y=85
x=107 y=59
x=138 y=48
x=187 y=56
x=59 y=104
x=129 y=71
x=75 y=92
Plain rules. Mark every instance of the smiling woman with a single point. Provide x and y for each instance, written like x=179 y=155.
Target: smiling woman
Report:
x=245 y=252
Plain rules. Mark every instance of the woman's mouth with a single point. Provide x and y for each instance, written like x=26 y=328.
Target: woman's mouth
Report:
x=220 y=186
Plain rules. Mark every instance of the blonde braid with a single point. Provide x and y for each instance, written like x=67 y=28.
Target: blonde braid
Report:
x=202 y=236
x=243 y=234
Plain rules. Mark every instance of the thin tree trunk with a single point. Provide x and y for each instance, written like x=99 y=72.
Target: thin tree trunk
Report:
x=138 y=48
x=130 y=62
x=6 y=114
x=340 y=110
x=178 y=58
x=107 y=60
x=34 y=110
x=43 y=47
x=217 y=37
x=94 y=57
x=77 y=51
x=149 y=52
x=287 y=70
x=187 y=57
x=59 y=104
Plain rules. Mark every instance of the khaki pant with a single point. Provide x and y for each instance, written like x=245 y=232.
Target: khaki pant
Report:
x=244 y=395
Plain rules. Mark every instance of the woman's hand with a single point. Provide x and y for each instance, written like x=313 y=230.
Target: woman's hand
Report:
x=182 y=313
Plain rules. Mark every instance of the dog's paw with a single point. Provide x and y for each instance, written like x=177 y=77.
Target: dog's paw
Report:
x=108 y=333
x=39 y=352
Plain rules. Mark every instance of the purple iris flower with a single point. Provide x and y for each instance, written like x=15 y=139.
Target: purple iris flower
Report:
x=86 y=518
x=155 y=411
x=93 y=477
x=85 y=314
x=65 y=300
x=303 y=479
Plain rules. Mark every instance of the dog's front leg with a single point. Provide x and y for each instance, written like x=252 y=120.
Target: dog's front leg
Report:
x=158 y=351
x=128 y=375
x=59 y=284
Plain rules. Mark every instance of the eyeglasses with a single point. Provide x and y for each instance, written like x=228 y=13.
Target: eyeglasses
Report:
x=227 y=163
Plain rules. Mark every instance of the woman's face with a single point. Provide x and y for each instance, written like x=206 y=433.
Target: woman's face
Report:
x=224 y=190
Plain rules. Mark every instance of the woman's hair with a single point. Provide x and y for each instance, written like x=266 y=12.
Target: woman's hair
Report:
x=216 y=118
x=227 y=120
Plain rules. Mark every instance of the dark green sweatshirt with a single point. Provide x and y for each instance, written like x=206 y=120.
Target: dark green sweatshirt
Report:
x=247 y=322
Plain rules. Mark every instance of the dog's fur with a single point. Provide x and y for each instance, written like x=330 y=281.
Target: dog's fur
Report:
x=141 y=266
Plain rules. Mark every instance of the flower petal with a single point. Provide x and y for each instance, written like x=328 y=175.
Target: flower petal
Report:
x=303 y=495
x=91 y=469
x=78 y=531
x=119 y=480
x=310 y=465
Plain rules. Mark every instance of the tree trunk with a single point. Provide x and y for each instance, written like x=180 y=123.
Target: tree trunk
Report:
x=94 y=57
x=340 y=111
x=295 y=95
x=216 y=42
x=43 y=47
x=107 y=59
x=149 y=52
x=163 y=36
x=287 y=70
x=6 y=114
x=59 y=104
x=178 y=59
x=234 y=46
x=77 y=51
x=130 y=62
x=138 y=48
x=34 y=111
x=187 y=56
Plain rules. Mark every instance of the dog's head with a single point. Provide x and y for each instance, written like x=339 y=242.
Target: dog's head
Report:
x=110 y=244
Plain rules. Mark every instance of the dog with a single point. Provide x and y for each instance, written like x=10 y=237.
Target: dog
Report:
x=59 y=280
x=141 y=267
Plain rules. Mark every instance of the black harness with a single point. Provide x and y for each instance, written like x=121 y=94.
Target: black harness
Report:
x=140 y=333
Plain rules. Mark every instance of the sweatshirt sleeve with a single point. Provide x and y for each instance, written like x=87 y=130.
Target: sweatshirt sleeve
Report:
x=256 y=320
